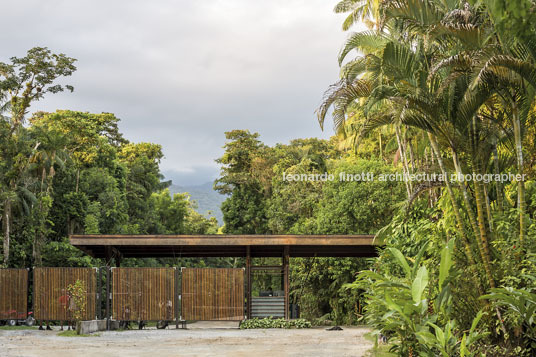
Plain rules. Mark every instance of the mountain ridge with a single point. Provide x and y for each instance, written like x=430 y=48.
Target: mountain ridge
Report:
x=207 y=199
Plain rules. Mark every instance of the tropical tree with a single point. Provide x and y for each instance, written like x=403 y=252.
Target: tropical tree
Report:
x=23 y=81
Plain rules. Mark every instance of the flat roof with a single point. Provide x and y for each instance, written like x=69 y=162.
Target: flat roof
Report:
x=226 y=245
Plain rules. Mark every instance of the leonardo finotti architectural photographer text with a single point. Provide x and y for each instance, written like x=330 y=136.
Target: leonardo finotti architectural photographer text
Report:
x=370 y=176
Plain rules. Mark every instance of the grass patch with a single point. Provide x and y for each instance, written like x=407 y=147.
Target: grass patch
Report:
x=71 y=333
x=379 y=350
x=22 y=327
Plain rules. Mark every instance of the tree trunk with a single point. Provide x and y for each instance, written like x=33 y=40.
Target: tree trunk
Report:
x=468 y=205
x=456 y=208
x=480 y=204
x=498 y=184
x=405 y=167
x=521 y=204
x=380 y=142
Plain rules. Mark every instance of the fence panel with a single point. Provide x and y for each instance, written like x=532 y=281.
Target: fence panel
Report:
x=13 y=293
x=212 y=294
x=51 y=298
x=143 y=294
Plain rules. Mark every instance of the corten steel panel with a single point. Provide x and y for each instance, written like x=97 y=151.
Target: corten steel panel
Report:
x=139 y=246
x=143 y=294
x=212 y=294
x=13 y=293
x=51 y=298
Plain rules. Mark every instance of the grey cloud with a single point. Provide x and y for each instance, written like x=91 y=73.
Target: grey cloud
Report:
x=180 y=73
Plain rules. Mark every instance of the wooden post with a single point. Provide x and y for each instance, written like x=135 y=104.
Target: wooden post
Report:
x=118 y=258
x=248 y=279
x=176 y=298
x=99 y=294
x=107 y=297
x=107 y=255
x=286 y=279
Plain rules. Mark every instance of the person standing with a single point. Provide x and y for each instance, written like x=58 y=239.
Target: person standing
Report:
x=64 y=304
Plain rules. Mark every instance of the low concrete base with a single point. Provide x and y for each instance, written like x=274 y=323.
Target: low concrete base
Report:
x=213 y=325
x=87 y=327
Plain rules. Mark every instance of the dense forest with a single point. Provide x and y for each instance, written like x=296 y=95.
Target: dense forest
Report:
x=438 y=88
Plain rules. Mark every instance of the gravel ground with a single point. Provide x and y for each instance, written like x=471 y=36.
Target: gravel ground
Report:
x=192 y=342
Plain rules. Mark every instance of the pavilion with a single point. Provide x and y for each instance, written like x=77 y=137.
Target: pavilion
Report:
x=113 y=248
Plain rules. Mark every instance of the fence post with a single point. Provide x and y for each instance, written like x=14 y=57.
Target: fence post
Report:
x=176 y=297
x=99 y=293
x=286 y=261
x=248 y=282
x=107 y=297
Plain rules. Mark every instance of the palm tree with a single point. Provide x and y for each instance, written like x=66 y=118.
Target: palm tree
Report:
x=440 y=70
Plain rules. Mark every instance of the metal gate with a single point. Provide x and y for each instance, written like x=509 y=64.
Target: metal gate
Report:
x=212 y=294
x=145 y=294
x=51 y=296
x=13 y=293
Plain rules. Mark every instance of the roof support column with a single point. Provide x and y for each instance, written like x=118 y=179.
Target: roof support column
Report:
x=108 y=255
x=248 y=280
x=286 y=261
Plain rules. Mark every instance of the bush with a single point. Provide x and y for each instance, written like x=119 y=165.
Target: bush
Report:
x=269 y=322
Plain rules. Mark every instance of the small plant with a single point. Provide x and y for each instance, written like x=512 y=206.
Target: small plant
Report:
x=269 y=322
x=77 y=302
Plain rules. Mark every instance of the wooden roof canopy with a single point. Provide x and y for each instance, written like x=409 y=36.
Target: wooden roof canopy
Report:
x=227 y=245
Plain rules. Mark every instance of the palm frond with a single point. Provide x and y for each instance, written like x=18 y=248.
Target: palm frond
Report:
x=365 y=41
x=415 y=13
x=342 y=93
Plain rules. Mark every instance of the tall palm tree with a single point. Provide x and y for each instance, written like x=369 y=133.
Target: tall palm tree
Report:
x=436 y=66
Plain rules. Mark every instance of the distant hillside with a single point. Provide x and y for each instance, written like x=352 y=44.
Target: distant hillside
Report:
x=207 y=199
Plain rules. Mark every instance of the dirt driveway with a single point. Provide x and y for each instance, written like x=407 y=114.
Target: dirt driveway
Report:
x=191 y=342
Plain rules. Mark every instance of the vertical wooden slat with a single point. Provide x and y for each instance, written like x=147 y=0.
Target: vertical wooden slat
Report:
x=13 y=293
x=143 y=294
x=212 y=294
x=52 y=283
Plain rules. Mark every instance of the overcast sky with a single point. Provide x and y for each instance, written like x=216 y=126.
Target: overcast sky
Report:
x=181 y=73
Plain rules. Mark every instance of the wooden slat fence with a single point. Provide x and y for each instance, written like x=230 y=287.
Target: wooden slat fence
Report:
x=212 y=294
x=143 y=294
x=13 y=293
x=51 y=298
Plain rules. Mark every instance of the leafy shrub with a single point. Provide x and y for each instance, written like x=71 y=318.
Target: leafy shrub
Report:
x=269 y=322
x=412 y=312
x=521 y=313
x=78 y=302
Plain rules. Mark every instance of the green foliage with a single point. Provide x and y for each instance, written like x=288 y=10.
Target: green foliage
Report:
x=411 y=311
x=20 y=327
x=358 y=207
x=317 y=286
x=244 y=175
x=69 y=333
x=91 y=221
x=77 y=300
x=520 y=313
x=268 y=322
